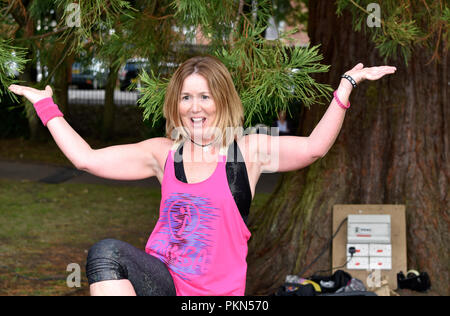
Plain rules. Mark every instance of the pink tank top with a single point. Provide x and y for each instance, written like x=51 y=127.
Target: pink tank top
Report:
x=200 y=234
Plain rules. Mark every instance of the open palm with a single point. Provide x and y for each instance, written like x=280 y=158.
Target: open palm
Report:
x=33 y=95
x=359 y=73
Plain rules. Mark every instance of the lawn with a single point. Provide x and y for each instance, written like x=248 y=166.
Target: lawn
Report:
x=45 y=227
x=24 y=150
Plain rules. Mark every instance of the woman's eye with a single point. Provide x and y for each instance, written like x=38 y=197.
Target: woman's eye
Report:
x=205 y=97
x=185 y=98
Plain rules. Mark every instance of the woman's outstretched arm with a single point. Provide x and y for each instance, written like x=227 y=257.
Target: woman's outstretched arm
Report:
x=121 y=162
x=287 y=153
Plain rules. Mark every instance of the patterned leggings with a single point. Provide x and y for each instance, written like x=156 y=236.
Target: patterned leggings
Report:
x=112 y=259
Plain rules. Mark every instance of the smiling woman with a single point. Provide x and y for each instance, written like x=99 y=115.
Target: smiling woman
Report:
x=197 y=109
x=199 y=244
x=203 y=88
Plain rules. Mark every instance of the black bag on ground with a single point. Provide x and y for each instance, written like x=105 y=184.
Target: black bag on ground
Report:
x=294 y=289
x=330 y=284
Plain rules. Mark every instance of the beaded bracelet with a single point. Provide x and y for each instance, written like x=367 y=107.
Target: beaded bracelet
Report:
x=352 y=81
x=339 y=101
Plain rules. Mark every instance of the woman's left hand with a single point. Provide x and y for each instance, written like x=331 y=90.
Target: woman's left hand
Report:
x=359 y=73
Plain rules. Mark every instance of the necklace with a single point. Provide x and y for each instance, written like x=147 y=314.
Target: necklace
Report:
x=205 y=147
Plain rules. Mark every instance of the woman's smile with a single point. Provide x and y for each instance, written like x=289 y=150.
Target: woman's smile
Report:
x=197 y=107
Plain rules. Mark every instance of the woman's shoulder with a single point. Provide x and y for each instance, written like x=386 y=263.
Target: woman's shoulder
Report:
x=161 y=141
x=158 y=146
x=248 y=145
x=255 y=144
x=252 y=139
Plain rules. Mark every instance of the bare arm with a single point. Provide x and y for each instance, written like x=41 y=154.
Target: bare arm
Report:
x=121 y=162
x=287 y=153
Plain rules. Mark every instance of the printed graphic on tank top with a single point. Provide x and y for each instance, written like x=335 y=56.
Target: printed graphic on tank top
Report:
x=200 y=234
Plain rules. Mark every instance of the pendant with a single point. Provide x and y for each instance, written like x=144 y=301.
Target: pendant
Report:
x=206 y=149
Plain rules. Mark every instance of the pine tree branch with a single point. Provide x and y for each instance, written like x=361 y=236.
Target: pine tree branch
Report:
x=7 y=9
x=365 y=11
x=10 y=56
x=436 y=50
x=44 y=35
x=158 y=17
x=426 y=6
x=19 y=12
x=68 y=49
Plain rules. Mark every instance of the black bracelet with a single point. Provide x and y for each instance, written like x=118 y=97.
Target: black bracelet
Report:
x=352 y=81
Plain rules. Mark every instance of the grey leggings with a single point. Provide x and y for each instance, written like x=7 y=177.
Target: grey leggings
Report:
x=112 y=259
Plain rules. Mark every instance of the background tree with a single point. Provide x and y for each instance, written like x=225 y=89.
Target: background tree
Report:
x=112 y=31
x=145 y=32
x=263 y=70
x=393 y=147
x=396 y=127
x=18 y=20
x=12 y=62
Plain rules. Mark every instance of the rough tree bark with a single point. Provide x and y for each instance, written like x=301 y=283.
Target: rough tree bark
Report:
x=393 y=149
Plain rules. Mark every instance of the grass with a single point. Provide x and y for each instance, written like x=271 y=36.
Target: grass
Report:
x=23 y=150
x=45 y=227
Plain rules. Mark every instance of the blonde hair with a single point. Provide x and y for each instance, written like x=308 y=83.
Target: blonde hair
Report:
x=230 y=112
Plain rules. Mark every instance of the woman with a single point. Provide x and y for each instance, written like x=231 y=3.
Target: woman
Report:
x=208 y=173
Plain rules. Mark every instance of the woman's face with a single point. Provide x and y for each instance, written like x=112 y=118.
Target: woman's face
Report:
x=197 y=108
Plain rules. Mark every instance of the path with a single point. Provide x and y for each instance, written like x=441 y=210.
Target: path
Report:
x=53 y=174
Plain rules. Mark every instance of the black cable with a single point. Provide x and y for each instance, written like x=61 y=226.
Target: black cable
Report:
x=352 y=251
x=324 y=249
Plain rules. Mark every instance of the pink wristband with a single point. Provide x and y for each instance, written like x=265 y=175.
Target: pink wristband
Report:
x=46 y=110
x=339 y=101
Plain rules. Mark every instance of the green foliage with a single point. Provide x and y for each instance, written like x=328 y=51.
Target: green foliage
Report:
x=149 y=33
x=152 y=97
x=268 y=75
x=40 y=9
x=12 y=59
x=400 y=37
x=97 y=18
x=404 y=25
x=214 y=17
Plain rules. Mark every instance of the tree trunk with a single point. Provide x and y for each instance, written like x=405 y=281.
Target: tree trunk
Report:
x=29 y=75
x=37 y=131
x=393 y=149
x=109 y=108
x=62 y=75
x=61 y=85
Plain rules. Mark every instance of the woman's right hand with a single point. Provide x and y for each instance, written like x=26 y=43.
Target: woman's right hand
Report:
x=33 y=95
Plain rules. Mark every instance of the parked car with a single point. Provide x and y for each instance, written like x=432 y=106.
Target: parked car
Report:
x=93 y=76
x=130 y=72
